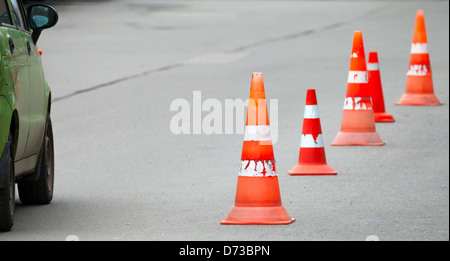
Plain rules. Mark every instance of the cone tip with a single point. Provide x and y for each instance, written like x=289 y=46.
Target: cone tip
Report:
x=420 y=35
x=420 y=15
x=311 y=97
x=357 y=35
x=257 y=87
x=358 y=60
x=256 y=76
x=373 y=57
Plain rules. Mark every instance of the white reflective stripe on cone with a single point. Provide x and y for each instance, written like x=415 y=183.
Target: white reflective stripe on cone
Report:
x=357 y=77
x=307 y=141
x=373 y=67
x=257 y=168
x=311 y=112
x=419 y=48
x=353 y=103
x=417 y=70
x=257 y=133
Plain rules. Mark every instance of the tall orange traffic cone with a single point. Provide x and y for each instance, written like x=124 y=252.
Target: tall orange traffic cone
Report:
x=311 y=159
x=376 y=90
x=358 y=120
x=258 y=200
x=419 y=81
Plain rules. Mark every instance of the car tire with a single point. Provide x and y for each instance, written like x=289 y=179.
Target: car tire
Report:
x=8 y=193
x=40 y=191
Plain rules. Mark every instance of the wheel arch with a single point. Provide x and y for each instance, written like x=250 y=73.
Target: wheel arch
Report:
x=49 y=105
x=14 y=128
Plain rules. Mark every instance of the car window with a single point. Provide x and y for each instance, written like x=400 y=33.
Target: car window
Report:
x=18 y=15
x=5 y=18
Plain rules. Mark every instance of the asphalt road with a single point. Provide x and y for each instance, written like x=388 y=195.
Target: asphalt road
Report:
x=116 y=66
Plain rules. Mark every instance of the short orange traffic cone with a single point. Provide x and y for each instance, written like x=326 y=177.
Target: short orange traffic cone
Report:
x=419 y=81
x=358 y=120
x=376 y=90
x=311 y=160
x=258 y=200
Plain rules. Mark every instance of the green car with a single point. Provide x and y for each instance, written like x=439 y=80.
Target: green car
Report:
x=26 y=137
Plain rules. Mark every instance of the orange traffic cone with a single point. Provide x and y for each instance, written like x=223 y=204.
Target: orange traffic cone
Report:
x=311 y=159
x=258 y=200
x=358 y=120
x=419 y=82
x=376 y=90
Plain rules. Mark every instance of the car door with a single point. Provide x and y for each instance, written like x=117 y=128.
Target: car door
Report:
x=37 y=112
x=15 y=70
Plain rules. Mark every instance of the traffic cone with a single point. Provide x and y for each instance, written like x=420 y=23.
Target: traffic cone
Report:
x=258 y=200
x=358 y=120
x=376 y=90
x=311 y=159
x=419 y=81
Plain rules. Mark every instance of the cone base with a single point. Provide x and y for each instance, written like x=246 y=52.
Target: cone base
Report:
x=383 y=117
x=357 y=139
x=276 y=215
x=311 y=169
x=419 y=100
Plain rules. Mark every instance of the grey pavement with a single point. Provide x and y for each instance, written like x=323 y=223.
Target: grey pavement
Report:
x=121 y=174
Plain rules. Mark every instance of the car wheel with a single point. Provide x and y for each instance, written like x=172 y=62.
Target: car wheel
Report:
x=40 y=191
x=8 y=192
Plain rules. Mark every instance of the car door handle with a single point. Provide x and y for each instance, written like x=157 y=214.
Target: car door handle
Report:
x=11 y=45
x=29 y=47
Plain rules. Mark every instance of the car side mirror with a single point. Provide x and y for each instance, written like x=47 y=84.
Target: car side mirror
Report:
x=40 y=17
